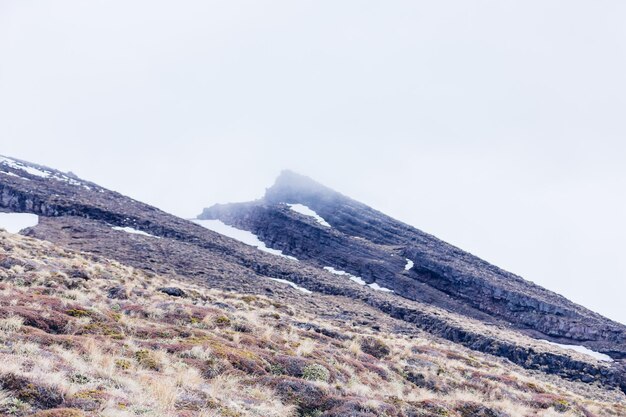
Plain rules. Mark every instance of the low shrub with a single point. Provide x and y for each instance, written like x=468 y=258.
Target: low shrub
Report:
x=375 y=347
x=315 y=372
x=146 y=359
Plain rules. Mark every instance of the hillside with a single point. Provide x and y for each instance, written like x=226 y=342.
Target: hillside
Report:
x=330 y=309
x=389 y=254
x=84 y=335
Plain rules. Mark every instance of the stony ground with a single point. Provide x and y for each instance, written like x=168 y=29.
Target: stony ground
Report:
x=86 y=336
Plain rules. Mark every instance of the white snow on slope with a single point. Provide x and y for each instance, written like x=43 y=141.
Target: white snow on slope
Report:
x=335 y=271
x=16 y=222
x=18 y=165
x=356 y=279
x=377 y=287
x=71 y=181
x=585 y=351
x=409 y=264
x=304 y=210
x=297 y=287
x=243 y=236
x=38 y=172
x=133 y=231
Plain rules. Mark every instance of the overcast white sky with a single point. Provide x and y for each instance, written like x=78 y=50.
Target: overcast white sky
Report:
x=499 y=126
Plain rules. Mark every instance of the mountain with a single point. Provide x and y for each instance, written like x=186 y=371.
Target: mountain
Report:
x=377 y=248
x=343 y=311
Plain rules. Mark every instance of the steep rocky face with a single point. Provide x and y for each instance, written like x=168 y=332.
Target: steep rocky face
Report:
x=81 y=215
x=369 y=244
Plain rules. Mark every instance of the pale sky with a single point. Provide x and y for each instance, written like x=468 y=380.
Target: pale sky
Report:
x=498 y=126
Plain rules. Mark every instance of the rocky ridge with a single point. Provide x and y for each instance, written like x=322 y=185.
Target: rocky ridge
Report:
x=371 y=245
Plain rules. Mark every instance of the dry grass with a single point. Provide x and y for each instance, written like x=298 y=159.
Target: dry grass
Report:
x=11 y=324
x=65 y=343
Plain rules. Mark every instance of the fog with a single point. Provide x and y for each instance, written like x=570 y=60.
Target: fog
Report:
x=497 y=126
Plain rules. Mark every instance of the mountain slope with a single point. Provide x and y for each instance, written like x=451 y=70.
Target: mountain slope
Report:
x=79 y=215
x=82 y=335
x=371 y=245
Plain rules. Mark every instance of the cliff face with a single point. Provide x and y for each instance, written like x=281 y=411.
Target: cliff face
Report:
x=371 y=245
x=447 y=293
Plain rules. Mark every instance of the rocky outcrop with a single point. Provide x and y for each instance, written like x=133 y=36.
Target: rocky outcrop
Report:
x=173 y=291
x=369 y=244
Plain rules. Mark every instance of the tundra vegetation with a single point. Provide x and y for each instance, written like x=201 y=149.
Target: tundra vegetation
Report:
x=82 y=335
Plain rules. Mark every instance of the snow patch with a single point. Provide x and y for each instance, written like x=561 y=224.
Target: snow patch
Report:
x=409 y=264
x=133 y=231
x=377 y=287
x=585 y=351
x=297 y=287
x=71 y=181
x=16 y=222
x=358 y=280
x=18 y=165
x=335 y=271
x=354 y=278
x=242 y=236
x=38 y=172
x=304 y=210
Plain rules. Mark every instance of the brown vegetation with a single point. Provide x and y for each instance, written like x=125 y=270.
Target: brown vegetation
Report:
x=81 y=336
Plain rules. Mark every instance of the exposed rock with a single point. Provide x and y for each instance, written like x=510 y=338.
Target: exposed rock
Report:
x=373 y=246
x=78 y=273
x=118 y=292
x=173 y=291
x=322 y=330
x=7 y=262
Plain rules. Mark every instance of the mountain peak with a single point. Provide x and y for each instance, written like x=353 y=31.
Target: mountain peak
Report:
x=295 y=181
x=292 y=187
